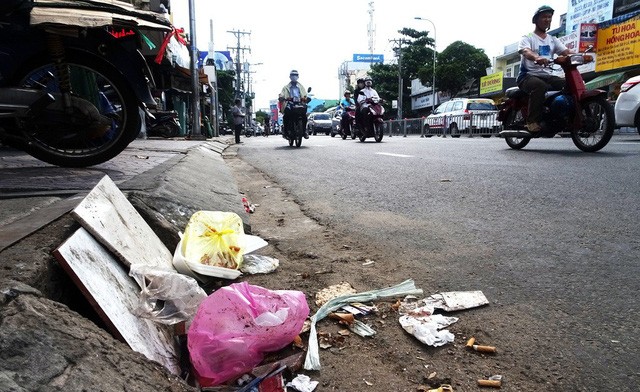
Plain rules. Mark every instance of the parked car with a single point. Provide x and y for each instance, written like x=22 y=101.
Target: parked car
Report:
x=627 y=107
x=464 y=115
x=319 y=122
x=335 y=123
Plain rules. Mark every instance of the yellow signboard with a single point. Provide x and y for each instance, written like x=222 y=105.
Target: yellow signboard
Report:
x=491 y=83
x=619 y=45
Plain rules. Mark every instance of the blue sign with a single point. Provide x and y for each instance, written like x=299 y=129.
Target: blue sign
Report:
x=368 y=58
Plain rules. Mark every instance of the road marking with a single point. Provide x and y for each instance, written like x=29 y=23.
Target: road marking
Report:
x=394 y=155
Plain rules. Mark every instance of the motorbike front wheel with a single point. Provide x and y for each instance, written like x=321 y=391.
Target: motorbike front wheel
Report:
x=100 y=123
x=297 y=134
x=378 y=132
x=597 y=125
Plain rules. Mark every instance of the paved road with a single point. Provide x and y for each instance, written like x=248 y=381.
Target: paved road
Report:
x=549 y=233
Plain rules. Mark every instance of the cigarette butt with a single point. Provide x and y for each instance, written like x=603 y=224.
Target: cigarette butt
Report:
x=484 y=349
x=471 y=341
x=490 y=383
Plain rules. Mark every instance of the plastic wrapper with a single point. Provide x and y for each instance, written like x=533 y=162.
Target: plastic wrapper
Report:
x=214 y=238
x=258 y=264
x=166 y=297
x=237 y=324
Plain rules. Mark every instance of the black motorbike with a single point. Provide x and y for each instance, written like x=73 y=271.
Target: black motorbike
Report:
x=162 y=123
x=73 y=81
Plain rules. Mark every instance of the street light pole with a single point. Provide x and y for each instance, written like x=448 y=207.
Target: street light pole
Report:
x=433 y=84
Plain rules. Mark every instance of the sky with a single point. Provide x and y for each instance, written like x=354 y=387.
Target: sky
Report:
x=315 y=38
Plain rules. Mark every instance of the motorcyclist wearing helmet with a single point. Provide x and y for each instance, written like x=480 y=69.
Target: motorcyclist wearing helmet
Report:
x=344 y=104
x=356 y=94
x=292 y=90
x=366 y=93
x=536 y=50
x=347 y=100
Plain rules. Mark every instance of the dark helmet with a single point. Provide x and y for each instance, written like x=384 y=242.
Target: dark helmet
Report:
x=360 y=80
x=347 y=92
x=541 y=10
x=368 y=81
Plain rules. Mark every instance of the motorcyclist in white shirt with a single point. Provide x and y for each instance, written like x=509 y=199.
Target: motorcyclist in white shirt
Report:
x=364 y=94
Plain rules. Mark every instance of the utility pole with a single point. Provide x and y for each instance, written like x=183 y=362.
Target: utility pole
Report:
x=195 y=80
x=214 y=94
x=398 y=51
x=239 y=93
x=371 y=29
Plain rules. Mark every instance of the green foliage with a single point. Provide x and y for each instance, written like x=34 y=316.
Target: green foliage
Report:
x=225 y=90
x=458 y=63
x=260 y=116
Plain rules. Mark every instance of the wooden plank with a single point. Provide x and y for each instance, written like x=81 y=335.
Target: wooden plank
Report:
x=115 y=295
x=113 y=220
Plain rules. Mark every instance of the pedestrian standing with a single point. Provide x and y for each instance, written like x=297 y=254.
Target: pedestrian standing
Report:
x=238 y=119
x=267 y=124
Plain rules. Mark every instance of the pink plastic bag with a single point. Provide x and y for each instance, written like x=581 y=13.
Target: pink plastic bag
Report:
x=237 y=324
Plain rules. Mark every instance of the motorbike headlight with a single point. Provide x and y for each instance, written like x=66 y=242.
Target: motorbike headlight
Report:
x=577 y=59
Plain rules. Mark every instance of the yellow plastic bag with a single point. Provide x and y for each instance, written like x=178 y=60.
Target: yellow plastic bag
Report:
x=214 y=238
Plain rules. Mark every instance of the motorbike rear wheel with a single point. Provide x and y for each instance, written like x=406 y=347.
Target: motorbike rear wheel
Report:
x=598 y=124
x=517 y=143
x=104 y=116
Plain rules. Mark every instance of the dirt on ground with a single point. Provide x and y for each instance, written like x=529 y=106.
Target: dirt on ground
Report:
x=313 y=257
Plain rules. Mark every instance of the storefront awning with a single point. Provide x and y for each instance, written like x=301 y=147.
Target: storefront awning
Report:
x=605 y=80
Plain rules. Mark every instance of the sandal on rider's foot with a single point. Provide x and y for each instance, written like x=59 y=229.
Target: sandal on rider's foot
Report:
x=533 y=127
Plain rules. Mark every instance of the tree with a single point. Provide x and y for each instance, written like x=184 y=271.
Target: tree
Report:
x=458 y=63
x=415 y=56
x=225 y=90
x=260 y=116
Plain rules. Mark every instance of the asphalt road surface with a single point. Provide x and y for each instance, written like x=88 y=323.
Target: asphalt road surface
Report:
x=548 y=232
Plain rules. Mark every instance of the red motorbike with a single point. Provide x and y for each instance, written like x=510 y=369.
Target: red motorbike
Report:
x=348 y=122
x=584 y=114
x=373 y=120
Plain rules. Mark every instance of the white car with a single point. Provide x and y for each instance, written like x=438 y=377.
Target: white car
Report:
x=628 y=104
x=464 y=116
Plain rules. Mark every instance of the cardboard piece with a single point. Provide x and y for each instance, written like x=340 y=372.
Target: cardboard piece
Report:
x=114 y=295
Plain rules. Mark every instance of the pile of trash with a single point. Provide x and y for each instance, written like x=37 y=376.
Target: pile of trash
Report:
x=154 y=300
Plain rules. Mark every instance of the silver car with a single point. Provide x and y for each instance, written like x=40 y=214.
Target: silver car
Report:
x=319 y=122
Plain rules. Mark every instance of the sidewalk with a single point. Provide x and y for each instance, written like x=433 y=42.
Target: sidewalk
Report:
x=49 y=339
x=173 y=175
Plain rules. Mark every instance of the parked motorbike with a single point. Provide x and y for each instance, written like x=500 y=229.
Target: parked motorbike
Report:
x=348 y=122
x=373 y=121
x=72 y=78
x=162 y=123
x=585 y=114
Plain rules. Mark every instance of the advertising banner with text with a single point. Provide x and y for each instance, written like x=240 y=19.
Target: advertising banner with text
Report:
x=491 y=83
x=618 y=43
